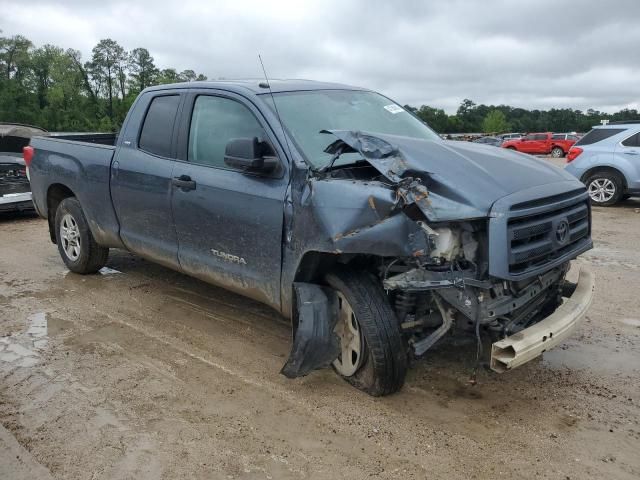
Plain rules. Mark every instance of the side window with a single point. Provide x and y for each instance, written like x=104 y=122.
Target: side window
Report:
x=540 y=136
x=530 y=137
x=157 y=128
x=597 y=135
x=558 y=136
x=214 y=122
x=632 y=141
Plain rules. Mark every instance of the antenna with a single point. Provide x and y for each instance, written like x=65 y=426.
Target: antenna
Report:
x=284 y=133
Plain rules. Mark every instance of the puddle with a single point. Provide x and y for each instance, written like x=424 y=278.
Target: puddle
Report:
x=102 y=271
x=23 y=348
x=108 y=271
x=595 y=358
x=631 y=322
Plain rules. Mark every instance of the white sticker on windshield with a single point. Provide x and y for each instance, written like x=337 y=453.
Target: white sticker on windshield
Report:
x=393 y=108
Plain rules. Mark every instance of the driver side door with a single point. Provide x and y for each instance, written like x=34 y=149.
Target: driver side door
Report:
x=527 y=144
x=228 y=222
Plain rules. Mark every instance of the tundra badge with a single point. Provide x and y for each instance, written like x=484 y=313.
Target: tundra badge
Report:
x=228 y=257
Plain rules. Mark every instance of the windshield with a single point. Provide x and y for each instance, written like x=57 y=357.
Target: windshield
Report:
x=304 y=114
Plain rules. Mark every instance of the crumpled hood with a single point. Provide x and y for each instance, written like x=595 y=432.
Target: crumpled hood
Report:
x=462 y=179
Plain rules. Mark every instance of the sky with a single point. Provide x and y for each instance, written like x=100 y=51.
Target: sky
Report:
x=525 y=53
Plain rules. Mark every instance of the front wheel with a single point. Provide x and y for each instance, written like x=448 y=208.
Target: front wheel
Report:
x=605 y=188
x=77 y=247
x=373 y=357
x=557 y=152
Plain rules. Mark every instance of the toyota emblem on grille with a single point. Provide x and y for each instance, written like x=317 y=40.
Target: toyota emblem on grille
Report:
x=562 y=232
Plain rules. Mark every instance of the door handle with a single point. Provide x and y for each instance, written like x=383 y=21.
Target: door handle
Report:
x=632 y=152
x=184 y=182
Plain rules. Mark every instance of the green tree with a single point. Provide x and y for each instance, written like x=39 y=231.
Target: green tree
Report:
x=436 y=118
x=168 y=75
x=142 y=70
x=495 y=122
x=106 y=68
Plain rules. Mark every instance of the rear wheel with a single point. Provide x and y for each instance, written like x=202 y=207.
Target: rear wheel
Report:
x=605 y=188
x=373 y=357
x=557 y=152
x=77 y=247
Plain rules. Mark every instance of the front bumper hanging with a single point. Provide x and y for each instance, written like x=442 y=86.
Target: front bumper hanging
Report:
x=527 y=344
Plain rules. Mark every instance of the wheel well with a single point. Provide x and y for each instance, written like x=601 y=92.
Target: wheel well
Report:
x=56 y=193
x=590 y=172
x=315 y=265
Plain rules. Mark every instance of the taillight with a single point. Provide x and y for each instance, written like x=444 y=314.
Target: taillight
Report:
x=573 y=153
x=27 y=154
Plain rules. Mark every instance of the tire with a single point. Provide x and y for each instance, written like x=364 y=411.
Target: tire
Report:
x=383 y=366
x=557 y=152
x=605 y=188
x=72 y=230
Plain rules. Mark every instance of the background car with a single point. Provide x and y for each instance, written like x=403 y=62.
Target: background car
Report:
x=565 y=136
x=607 y=161
x=542 y=144
x=511 y=136
x=493 y=141
x=15 y=191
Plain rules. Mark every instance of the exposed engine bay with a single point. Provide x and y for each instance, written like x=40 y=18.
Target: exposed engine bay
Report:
x=448 y=288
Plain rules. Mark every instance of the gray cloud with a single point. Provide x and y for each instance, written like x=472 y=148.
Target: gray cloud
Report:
x=534 y=54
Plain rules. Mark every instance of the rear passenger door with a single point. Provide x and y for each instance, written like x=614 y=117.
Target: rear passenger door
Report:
x=141 y=178
x=229 y=223
x=629 y=150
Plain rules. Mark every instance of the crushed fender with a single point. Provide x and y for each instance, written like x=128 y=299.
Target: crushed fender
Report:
x=315 y=345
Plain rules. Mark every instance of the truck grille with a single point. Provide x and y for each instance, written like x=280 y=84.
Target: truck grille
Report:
x=535 y=240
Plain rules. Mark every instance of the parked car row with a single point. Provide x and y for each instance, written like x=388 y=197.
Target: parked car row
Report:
x=554 y=144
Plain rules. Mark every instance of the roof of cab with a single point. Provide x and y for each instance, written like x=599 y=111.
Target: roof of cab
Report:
x=259 y=86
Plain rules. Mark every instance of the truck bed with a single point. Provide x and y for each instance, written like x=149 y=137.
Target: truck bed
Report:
x=84 y=168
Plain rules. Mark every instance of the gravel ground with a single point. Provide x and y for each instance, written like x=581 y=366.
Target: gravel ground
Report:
x=145 y=373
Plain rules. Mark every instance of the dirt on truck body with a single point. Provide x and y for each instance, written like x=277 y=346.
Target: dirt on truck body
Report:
x=338 y=208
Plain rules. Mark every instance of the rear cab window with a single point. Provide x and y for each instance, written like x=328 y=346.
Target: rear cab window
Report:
x=597 y=135
x=157 y=129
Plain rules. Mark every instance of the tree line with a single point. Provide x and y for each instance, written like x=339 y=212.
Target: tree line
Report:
x=54 y=88
x=472 y=118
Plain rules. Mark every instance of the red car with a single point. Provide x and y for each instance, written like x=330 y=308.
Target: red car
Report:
x=556 y=144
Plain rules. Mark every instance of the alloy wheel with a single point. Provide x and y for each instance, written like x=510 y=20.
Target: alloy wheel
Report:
x=601 y=190
x=351 y=344
x=70 y=237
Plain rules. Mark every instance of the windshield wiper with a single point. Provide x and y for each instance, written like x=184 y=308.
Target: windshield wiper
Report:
x=334 y=157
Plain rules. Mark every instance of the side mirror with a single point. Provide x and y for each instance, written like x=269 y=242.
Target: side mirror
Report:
x=250 y=155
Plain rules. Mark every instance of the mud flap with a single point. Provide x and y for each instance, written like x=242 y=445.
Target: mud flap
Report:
x=315 y=345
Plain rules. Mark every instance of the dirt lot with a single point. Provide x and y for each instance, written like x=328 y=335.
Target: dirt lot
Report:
x=147 y=373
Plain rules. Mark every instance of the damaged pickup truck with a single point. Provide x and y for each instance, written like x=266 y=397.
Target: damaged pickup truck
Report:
x=338 y=208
